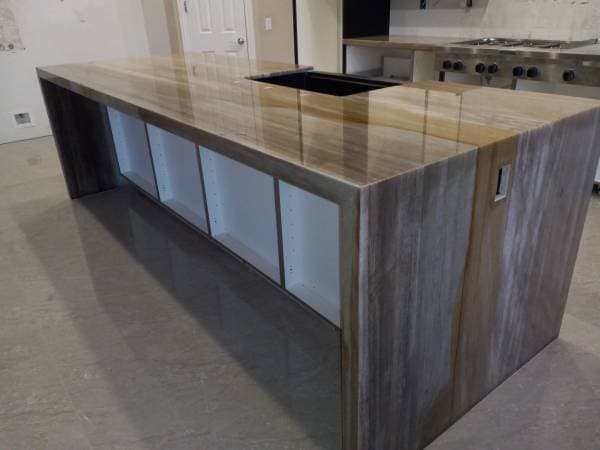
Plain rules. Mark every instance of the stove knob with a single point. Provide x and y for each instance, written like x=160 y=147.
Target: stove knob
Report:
x=493 y=68
x=518 y=71
x=458 y=65
x=480 y=68
x=533 y=72
x=569 y=75
x=447 y=65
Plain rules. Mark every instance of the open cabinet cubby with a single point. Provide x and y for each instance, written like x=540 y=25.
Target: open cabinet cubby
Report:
x=371 y=62
x=178 y=176
x=133 y=154
x=311 y=249
x=241 y=207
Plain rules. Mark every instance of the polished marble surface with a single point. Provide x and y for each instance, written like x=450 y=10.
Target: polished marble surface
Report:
x=553 y=402
x=357 y=140
x=103 y=345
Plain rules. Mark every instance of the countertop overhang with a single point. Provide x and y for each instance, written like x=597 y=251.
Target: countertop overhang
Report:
x=356 y=140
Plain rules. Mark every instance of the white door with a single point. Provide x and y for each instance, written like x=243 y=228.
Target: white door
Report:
x=214 y=26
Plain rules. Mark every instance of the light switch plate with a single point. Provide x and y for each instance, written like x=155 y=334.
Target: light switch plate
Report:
x=268 y=23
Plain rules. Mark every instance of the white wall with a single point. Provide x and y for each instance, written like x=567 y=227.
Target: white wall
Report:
x=319 y=31
x=57 y=32
x=541 y=19
x=156 y=26
x=276 y=44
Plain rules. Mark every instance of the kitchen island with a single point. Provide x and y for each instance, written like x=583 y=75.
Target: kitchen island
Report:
x=436 y=225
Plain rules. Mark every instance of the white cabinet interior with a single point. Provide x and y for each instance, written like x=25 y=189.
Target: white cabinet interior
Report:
x=241 y=207
x=177 y=167
x=389 y=64
x=371 y=62
x=133 y=154
x=311 y=249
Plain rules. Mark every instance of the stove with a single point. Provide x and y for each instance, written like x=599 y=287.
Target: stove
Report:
x=522 y=59
x=521 y=63
x=528 y=43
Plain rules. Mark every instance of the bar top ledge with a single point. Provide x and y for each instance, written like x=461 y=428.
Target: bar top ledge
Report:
x=357 y=140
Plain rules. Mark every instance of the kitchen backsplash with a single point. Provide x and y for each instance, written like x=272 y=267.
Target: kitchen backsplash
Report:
x=536 y=19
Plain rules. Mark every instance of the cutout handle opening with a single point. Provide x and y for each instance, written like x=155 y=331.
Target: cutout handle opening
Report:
x=503 y=182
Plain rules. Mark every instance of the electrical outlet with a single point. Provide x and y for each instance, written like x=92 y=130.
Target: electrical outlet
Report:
x=268 y=23
x=23 y=119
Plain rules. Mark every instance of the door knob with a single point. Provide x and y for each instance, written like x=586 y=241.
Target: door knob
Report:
x=241 y=41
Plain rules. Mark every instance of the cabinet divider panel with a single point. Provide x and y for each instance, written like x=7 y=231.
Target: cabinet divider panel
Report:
x=133 y=153
x=178 y=175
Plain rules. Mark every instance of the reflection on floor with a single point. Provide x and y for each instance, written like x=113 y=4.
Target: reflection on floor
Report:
x=122 y=329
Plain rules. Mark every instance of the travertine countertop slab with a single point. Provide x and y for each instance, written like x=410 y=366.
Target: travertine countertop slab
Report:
x=358 y=140
x=401 y=42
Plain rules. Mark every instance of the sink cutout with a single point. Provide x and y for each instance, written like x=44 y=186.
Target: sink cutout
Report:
x=326 y=83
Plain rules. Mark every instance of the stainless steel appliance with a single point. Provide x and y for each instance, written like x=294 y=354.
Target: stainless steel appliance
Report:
x=532 y=43
x=525 y=59
x=564 y=67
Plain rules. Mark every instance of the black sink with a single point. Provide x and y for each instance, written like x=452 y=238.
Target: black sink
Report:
x=326 y=83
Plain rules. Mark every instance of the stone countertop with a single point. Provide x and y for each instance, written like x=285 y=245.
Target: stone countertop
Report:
x=356 y=140
x=449 y=44
x=401 y=42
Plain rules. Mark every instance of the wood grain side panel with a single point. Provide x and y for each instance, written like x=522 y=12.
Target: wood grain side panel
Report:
x=349 y=254
x=83 y=139
x=522 y=252
x=413 y=246
x=482 y=274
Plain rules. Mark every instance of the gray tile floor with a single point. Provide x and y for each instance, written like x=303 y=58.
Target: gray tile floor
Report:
x=122 y=329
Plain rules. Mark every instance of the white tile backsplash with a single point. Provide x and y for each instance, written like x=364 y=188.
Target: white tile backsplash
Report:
x=536 y=19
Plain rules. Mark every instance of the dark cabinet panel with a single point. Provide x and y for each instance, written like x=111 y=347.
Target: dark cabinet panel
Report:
x=366 y=17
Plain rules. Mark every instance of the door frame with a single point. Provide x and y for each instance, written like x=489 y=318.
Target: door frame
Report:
x=248 y=19
x=295 y=24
